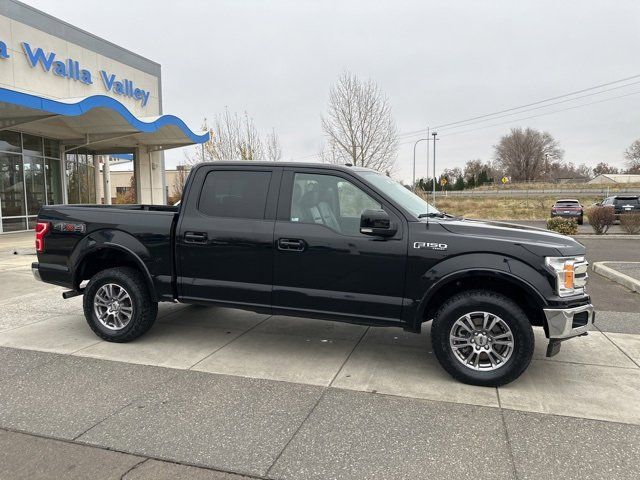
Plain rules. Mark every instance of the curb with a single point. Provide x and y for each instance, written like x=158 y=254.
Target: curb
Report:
x=624 y=280
x=613 y=236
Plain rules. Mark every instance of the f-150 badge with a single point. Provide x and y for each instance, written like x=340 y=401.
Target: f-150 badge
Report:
x=431 y=246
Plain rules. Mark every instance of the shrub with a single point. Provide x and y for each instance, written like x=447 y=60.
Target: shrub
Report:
x=565 y=226
x=630 y=222
x=601 y=218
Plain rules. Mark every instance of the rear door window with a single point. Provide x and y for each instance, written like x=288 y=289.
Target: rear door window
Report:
x=235 y=194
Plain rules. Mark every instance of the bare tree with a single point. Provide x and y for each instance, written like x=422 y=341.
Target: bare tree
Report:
x=182 y=171
x=249 y=143
x=472 y=170
x=273 y=148
x=233 y=137
x=527 y=154
x=359 y=126
x=632 y=155
x=584 y=171
x=603 y=168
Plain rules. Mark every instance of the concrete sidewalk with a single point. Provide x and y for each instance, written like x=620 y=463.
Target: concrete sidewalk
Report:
x=281 y=430
x=21 y=242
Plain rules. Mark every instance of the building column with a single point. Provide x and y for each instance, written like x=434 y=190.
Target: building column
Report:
x=96 y=177
x=106 y=180
x=149 y=176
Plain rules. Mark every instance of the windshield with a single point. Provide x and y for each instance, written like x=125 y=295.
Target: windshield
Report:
x=399 y=194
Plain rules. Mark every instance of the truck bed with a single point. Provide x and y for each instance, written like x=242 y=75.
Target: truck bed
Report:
x=145 y=230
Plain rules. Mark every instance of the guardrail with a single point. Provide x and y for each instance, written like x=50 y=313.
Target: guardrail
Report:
x=567 y=192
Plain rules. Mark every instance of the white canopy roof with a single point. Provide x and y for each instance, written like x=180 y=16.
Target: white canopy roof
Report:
x=99 y=123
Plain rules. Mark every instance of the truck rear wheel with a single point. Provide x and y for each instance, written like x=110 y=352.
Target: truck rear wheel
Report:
x=482 y=338
x=118 y=306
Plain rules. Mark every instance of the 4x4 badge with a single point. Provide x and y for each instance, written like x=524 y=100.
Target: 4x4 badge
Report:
x=432 y=246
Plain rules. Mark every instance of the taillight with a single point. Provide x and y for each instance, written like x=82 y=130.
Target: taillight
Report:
x=42 y=228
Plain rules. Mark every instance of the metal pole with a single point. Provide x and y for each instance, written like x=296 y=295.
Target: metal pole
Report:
x=434 y=167
x=413 y=185
x=427 y=193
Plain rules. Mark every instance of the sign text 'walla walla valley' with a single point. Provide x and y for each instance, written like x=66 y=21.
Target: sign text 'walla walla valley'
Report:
x=71 y=69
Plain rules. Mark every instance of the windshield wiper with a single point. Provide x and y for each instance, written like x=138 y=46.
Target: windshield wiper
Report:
x=436 y=215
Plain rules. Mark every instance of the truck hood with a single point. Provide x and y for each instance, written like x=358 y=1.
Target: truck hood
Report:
x=537 y=240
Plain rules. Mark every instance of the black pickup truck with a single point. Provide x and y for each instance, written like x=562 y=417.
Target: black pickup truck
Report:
x=331 y=242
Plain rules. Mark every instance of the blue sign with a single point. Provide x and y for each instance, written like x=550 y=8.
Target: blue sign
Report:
x=3 y=50
x=72 y=70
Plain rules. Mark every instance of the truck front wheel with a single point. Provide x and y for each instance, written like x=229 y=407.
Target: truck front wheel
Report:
x=118 y=306
x=482 y=338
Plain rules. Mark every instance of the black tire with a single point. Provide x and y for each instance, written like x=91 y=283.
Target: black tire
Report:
x=144 y=309
x=580 y=220
x=493 y=303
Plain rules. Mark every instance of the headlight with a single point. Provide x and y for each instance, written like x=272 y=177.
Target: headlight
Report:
x=571 y=274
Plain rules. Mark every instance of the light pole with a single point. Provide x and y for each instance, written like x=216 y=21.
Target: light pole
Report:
x=434 y=167
x=413 y=185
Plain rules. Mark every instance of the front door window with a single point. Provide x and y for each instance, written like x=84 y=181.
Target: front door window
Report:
x=330 y=201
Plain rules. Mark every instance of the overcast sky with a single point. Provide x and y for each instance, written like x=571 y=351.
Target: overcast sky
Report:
x=437 y=62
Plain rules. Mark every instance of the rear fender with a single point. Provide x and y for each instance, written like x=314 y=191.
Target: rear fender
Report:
x=115 y=240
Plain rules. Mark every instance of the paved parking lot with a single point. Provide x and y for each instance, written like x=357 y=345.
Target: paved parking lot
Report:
x=236 y=393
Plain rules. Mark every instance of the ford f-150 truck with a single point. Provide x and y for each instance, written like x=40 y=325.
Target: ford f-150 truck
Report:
x=323 y=241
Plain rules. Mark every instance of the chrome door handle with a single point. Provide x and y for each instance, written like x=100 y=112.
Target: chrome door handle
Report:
x=195 y=237
x=291 y=244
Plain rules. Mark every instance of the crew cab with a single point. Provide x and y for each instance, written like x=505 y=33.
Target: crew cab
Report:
x=323 y=241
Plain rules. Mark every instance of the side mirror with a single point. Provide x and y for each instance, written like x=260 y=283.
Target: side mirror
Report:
x=377 y=223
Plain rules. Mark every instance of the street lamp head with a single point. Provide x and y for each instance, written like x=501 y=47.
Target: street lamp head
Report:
x=434 y=133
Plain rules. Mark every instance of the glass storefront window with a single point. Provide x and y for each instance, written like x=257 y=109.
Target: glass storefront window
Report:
x=91 y=184
x=73 y=181
x=53 y=179
x=51 y=148
x=32 y=145
x=10 y=141
x=34 y=183
x=31 y=175
x=11 y=185
x=13 y=224
x=80 y=179
x=82 y=182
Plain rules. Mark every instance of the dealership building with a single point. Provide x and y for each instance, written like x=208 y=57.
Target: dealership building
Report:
x=71 y=104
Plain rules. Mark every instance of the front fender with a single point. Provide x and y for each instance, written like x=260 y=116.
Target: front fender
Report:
x=484 y=265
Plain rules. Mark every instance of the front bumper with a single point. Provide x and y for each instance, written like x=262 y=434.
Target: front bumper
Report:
x=566 y=323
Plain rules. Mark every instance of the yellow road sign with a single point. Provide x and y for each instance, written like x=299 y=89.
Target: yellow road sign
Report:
x=504 y=180
x=443 y=181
